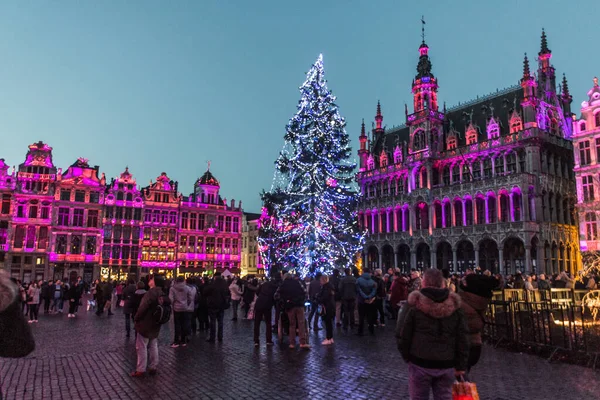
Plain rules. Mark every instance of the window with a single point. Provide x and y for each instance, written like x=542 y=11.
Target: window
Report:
x=116 y=252
x=493 y=131
x=511 y=162
x=78 y=217
x=19 y=237
x=128 y=213
x=191 y=245
x=210 y=245
x=516 y=125
x=227 y=246
x=419 y=140
x=119 y=195
x=135 y=234
x=165 y=217
x=219 y=247
x=182 y=244
x=458 y=212
x=173 y=218
x=476 y=169
x=135 y=252
x=5 y=204
x=236 y=225
x=591 y=228
x=499 y=165
x=117 y=233
x=466 y=173
x=106 y=252
x=76 y=244
x=480 y=205
x=148 y=216
x=220 y=222
x=30 y=242
x=522 y=166
x=94 y=197
x=451 y=143
x=43 y=238
x=235 y=246
x=184 y=220
x=446 y=175
x=90 y=245
x=487 y=168
x=155 y=233
x=45 y=212
x=172 y=235
x=504 y=212
x=228 y=223
x=597 y=119
x=137 y=214
x=455 y=173
x=63 y=216
x=193 y=221
x=4 y=232
x=110 y=212
x=92 y=219
x=588 y=187
x=383 y=160
x=597 y=149
x=125 y=252
x=585 y=157
x=129 y=197
x=471 y=136
x=155 y=216
x=107 y=231
x=65 y=195
x=147 y=233
x=492 y=209
x=119 y=213
x=61 y=244
x=126 y=233
x=21 y=211
x=80 y=195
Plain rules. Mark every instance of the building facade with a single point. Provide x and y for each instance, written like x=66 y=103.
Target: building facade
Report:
x=209 y=230
x=586 y=141
x=251 y=262
x=56 y=225
x=77 y=222
x=488 y=183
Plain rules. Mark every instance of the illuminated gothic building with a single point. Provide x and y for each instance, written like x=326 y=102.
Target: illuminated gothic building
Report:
x=209 y=231
x=33 y=197
x=123 y=225
x=159 y=240
x=487 y=183
x=7 y=186
x=586 y=140
x=77 y=216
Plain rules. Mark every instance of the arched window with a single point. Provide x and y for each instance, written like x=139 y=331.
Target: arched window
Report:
x=466 y=173
x=492 y=213
x=511 y=162
x=421 y=216
x=447 y=214
x=493 y=130
x=469 y=212
x=487 y=168
x=129 y=197
x=504 y=205
x=458 y=212
x=119 y=195
x=451 y=143
x=476 y=167
x=471 y=136
x=480 y=205
x=456 y=173
x=370 y=162
x=383 y=159
x=438 y=215
x=446 y=175
x=597 y=119
x=419 y=140
x=582 y=126
x=397 y=155
x=591 y=227
x=516 y=124
x=424 y=183
x=499 y=164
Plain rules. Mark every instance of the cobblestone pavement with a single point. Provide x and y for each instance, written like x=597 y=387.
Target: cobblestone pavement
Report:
x=90 y=358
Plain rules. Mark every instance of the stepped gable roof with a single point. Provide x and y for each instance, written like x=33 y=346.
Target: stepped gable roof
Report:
x=208 y=179
x=502 y=102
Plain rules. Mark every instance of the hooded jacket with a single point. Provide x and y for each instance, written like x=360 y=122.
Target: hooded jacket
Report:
x=474 y=308
x=145 y=323
x=366 y=288
x=181 y=297
x=16 y=339
x=347 y=288
x=431 y=331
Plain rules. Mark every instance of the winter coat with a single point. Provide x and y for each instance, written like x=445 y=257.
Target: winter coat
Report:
x=194 y=290
x=313 y=289
x=474 y=308
x=414 y=284
x=543 y=285
x=107 y=290
x=16 y=339
x=249 y=292
x=181 y=297
x=347 y=288
x=136 y=300
x=45 y=291
x=380 y=287
x=292 y=294
x=366 y=288
x=145 y=323
x=34 y=294
x=398 y=291
x=335 y=282
x=217 y=295
x=326 y=298
x=73 y=293
x=431 y=331
x=265 y=296
x=128 y=296
x=236 y=291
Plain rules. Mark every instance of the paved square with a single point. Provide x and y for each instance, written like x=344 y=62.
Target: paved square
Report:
x=90 y=358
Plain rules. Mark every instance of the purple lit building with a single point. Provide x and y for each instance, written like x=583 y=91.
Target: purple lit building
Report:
x=159 y=239
x=77 y=222
x=123 y=224
x=7 y=186
x=209 y=230
x=586 y=140
x=32 y=202
x=486 y=183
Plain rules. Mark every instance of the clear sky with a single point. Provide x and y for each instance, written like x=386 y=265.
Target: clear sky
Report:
x=166 y=86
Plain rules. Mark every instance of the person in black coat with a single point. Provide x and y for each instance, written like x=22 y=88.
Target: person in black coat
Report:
x=46 y=295
x=128 y=295
x=326 y=299
x=265 y=299
x=217 y=301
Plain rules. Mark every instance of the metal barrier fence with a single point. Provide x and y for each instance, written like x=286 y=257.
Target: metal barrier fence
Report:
x=551 y=322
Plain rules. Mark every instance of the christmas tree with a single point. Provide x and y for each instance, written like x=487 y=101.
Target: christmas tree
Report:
x=309 y=219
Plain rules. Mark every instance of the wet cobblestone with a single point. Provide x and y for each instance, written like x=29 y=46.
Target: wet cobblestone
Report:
x=90 y=358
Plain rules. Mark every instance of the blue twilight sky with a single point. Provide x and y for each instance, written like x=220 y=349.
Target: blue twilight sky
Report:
x=166 y=86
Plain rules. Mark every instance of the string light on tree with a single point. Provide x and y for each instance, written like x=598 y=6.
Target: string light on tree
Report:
x=308 y=222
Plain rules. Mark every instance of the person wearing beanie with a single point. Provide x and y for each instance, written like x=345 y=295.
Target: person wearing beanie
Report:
x=475 y=294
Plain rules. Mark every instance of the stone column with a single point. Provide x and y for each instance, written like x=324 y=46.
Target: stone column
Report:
x=387 y=221
x=487 y=209
x=372 y=222
x=433 y=261
x=395 y=258
x=444 y=216
x=511 y=217
x=412 y=220
x=431 y=211
x=476 y=258
x=525 y=205
x=454 y=260
x=395 y=219
x=464 y=213
x=380 y=265
x=413 y=259
x=501 y=261
x=474 y=202
x=498 y=208
x=527 y=259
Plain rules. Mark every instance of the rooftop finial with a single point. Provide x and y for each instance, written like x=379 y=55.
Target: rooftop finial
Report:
x=423 y=28
x=362 y=128
x=378 y=108
x=565 y=86
x=208 y=165
x=595 y=81
x=544 y=46
x=526 y=72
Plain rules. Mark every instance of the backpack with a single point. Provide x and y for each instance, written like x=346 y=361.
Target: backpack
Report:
x=162 y=313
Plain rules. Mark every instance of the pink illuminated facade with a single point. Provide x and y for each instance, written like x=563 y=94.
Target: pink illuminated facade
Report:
x=7 y=187
x=123 y=224
x=209 y=229
x=77 y=222
x=33 y=198
x=487 y=183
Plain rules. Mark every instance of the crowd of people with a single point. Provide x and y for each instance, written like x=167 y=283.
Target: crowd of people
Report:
x=440 y=316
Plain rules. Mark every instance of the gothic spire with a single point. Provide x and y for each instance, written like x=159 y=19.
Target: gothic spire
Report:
x=378 y=108
x=544 y=45
x=526 y=72
x=565 y=86
x=378 y=117
x=362 y=129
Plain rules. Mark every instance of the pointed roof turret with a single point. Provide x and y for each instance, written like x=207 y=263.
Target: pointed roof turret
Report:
x=526 y=71
x=378 y=108
x=363 y=133
x=378 y=117
x=208 y=179
x=565 y=87
x=544 y=45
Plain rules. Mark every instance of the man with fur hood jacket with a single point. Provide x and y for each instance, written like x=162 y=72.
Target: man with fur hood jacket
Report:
x=431 y=334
